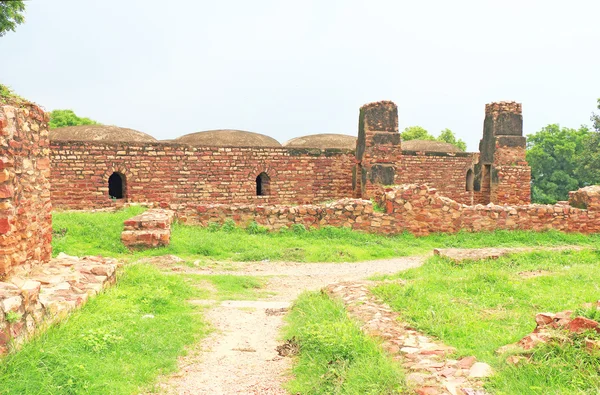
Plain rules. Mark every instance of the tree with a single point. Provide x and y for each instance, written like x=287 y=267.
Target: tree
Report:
x=416 y=133
x=61 y=118
x=11 y=15
x=589 y=169
x=555 y=154
x=448 y=136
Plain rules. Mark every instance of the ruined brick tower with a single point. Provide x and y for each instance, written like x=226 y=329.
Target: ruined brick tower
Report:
x=378 y=149
x=502 y=174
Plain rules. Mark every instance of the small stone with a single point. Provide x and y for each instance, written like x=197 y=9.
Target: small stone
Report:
x=543 y=319
x=147 y=316
x=581 y=324
x=416 y=379
x=480 y=369
x=592 y=345
x=428 y=391
x=466 y=362
x=410 y=350
x=515 y=359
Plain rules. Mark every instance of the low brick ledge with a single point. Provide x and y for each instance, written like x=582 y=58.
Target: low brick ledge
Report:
x=30 y=302
x=149 y=229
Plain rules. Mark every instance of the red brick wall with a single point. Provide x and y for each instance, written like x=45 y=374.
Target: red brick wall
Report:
x=413 y=208
x=177 y=173
x=25 y=208
x=447 y=172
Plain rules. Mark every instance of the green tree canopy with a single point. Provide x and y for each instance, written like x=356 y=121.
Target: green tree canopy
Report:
x=420 y=133
x=555 y=154
x=61 y=118
x=589 y=169
x=416 y=133
x=11 y=15
x=448 y=136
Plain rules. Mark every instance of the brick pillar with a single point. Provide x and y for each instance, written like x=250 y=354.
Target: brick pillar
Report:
x=25 y=208
x=378 y=150
x=503 y=175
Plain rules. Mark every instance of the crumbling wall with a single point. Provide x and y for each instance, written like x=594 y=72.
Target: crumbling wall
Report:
x=503 y=176
x=447 y=172
x=25 y=208
x=177 y=173
x=378 y=149
x=414 y=208
x=148 y=230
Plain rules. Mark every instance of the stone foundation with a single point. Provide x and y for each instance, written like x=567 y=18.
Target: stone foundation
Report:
x=148 y=230
x=31 y=301
x=414 y=208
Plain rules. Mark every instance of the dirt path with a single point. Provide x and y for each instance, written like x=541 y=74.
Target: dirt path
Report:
x=240 y=356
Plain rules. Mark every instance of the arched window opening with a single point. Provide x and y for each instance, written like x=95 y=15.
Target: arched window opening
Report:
x=116 y=186
x=470 y=180
x=263 y=185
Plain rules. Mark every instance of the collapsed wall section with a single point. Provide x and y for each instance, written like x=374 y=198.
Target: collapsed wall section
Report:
x=25 y=208
x=378 y=149
x=450 y=173
x=414 y=208
x=100 y=174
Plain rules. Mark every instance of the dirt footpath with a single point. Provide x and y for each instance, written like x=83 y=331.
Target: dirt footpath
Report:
x=240 y=356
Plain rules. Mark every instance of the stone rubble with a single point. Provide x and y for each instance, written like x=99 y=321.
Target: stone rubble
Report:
x=32 y=300
x=418 y=209
x=475 y=254
x=428 y=368
x=558 y=326
x=148 y=230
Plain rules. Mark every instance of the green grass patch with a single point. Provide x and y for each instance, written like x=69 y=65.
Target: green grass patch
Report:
x=335 y=356
x=108 y=347
x=232 y=287
x=78 y=233
x=480 y=306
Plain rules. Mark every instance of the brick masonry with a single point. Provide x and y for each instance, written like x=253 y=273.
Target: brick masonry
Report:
x=149 y=229
x=178 y=173
x=414 y=208
x=25 y=208
x=46 y=294
x=167 y=172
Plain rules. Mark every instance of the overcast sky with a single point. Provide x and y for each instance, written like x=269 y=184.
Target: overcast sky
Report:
x=292 y=68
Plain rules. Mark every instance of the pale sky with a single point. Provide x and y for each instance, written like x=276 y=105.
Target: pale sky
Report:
x=287 y=69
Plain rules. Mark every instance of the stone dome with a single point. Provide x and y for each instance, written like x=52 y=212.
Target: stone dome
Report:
x=99 y=133
x=323 y=141
x=228 y=138
x=428 y=146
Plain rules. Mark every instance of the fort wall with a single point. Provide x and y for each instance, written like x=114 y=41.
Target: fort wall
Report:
x=172 y=173
x=25 y=208
x=414 y=208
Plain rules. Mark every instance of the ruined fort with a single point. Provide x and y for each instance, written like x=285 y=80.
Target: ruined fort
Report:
x=373 y=182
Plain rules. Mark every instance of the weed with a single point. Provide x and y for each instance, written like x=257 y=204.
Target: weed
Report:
x=377 y=207
x=213 y=227
x=228 y=226
x=298 y=229
x=13 y=317
x=254 y=228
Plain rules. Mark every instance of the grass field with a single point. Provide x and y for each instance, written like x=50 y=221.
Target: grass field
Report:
x=118 y=343
x=336 y=357
x=478 y=307
x=99 y=234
